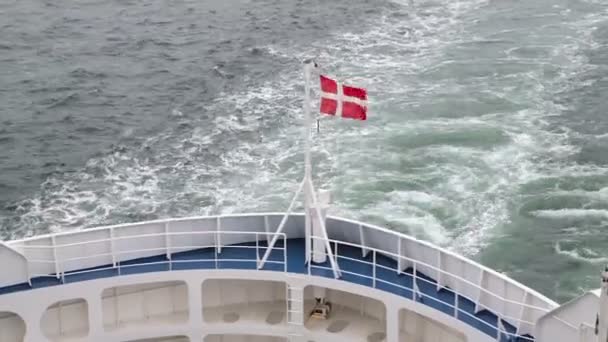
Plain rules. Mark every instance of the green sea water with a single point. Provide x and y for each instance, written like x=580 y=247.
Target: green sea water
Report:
x=487 y=126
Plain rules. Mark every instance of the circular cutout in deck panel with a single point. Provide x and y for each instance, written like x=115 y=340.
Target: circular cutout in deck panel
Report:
x=275 y=317
x=376 y=337
x=231 y=317
x=337 y=326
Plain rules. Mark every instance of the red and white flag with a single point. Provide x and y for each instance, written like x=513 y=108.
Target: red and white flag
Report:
x=346 y=101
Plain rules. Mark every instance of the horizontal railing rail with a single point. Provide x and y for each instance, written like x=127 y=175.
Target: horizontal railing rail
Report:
x=129 y=237
x=422 y=263
x=118 y=262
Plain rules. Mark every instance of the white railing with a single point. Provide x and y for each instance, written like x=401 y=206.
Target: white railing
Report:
x=71 y=252
x=119 y=258
x=416 y=293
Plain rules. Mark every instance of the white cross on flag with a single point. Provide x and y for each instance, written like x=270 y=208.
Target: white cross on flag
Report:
x=347 y=101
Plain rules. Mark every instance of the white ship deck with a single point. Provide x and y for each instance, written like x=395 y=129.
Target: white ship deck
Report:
x=450 y=287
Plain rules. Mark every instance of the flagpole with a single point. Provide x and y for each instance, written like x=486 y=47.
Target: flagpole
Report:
x=312 y=207
x=311 y=203
x=308 y=65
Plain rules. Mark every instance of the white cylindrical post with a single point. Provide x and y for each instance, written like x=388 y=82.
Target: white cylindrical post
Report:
x=307 y=120
x=318 y=243
x=308 y=65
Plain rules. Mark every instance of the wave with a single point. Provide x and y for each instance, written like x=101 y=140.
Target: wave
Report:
x=579 y=214
x=84 y=73
x=582 y=254
x=61 y=102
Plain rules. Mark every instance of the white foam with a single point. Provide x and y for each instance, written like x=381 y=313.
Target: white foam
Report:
x=575 y=253
x=412 y=220
x=571 y=213
x=418 y=197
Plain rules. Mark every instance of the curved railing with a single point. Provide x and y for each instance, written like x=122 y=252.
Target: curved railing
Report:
x=123 y=260
x=414 y=292
x=114 y=248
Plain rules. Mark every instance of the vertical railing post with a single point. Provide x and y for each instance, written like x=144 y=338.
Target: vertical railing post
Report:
x=336 y=255
x=374 y=269
x=115 y=258
x=399 y=259
x=362 y=241
x=481 y=288
x=218 y=227
x=336 y=251
x=217 y=238
x=257 y=251
x=309 y=263
x=414 y=285
x=284 y=253
x=54 y=251
x=266 y=228
x=500 y=327
x=310 y=256
x=112 y=247
x=457 y=308
x=439 y=270
x=168 y=246
x=29 y=272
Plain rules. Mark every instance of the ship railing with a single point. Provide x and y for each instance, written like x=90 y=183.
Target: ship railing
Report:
x=417 y=294
x=123 y=260
x=508 y=299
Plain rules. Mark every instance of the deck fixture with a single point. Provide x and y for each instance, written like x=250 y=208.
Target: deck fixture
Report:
x=321 y=310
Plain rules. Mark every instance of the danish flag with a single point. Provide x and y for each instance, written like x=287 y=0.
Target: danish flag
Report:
x=347 y=101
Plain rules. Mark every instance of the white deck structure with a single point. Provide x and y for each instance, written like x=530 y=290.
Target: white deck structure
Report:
x=197 y=279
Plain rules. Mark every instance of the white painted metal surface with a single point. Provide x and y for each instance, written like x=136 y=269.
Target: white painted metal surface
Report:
x=317 y=240
x=144 y=315
x=564 y=322
x=54 y=255
x=14 y=267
